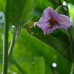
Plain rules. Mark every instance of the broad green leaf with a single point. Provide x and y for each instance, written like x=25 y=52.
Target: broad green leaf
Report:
x=19 y=12
x=38 y=66
x=59 y=43
x=50 y=55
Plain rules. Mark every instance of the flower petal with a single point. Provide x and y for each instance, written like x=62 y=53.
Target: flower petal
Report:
x=46 y=13
x=57 y=21
x=49 y=12
x=43 y=20
x=45 y=28
x=50 y=30
x=64 y=22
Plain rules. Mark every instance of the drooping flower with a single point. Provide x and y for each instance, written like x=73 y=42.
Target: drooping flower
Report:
x=51 y=21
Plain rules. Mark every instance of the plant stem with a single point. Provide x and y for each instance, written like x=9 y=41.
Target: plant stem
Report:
x=71 y=53
x=15 y=37
x=71 y=47
x=16 y=34
x=72 y=68
x=5 y=48
x=12 y=42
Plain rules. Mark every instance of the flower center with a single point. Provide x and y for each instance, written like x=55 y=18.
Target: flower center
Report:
x=53 y=22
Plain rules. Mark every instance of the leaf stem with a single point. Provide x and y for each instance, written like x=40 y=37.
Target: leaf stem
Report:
x=12 y=42
x=72 y=69
x=16 y=33
x=71 y=46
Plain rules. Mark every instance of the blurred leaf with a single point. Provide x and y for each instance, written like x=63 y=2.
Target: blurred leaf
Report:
x=19 y=12
x=71 y=12
x=48 y=69
x=33 y=44
x=38 y=67
x=2 y=19
x=2 y=5
x=43 y=4
x=70 y=1
x=62 y=10
x=56 y=3
x=71 y=31
x=1 y=46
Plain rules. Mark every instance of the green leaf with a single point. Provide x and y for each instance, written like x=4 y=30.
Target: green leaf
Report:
x=2 y=5
x=56 y=3
x=32 y=44
x=70 y=1
x=43 y=4
x=59 y=43
x=62 y=10
x=19 y=12
x=38 y=67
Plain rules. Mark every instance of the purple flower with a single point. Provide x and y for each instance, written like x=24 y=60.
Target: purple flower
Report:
x=51 y=21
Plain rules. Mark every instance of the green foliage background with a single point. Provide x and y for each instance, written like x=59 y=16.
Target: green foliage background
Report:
x=34 y=52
